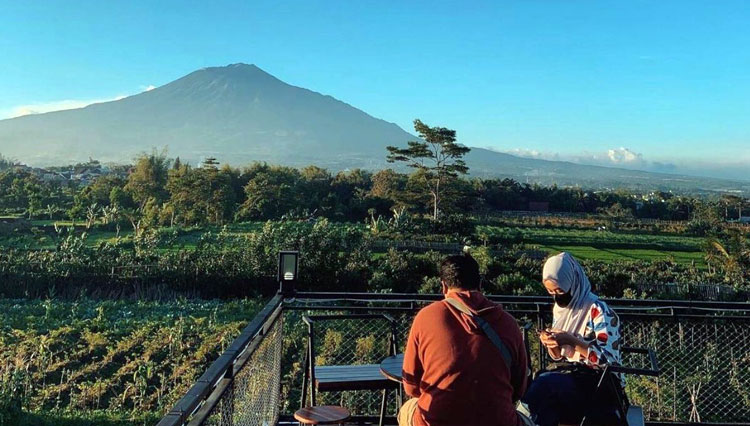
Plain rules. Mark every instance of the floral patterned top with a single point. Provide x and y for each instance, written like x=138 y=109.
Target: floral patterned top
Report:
x=603 y=335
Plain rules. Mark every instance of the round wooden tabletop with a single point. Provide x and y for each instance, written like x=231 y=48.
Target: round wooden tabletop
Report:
x=392 y=367
x=322 y=415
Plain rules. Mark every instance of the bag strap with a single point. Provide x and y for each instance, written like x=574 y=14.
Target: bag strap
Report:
x=488 y=331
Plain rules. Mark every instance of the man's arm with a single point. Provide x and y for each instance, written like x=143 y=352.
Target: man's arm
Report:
x=413 y=370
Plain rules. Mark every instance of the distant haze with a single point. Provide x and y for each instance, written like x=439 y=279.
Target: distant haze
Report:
x=240 y=114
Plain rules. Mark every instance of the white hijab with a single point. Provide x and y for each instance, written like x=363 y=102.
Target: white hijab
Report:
x=570 y=277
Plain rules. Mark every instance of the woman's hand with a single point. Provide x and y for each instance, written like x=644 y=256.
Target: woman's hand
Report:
x=564 y=338
x=549 y=341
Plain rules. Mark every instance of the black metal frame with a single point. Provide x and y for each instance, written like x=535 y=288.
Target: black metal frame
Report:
x=205 y=394
x=609 y=380
x=308 y=378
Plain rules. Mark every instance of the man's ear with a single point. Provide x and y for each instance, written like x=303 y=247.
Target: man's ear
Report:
x=443 y=287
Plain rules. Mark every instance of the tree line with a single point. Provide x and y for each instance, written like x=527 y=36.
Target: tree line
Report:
x=159 y=190
x=162 y=191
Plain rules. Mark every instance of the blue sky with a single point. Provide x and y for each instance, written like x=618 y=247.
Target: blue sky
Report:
x=656 y=85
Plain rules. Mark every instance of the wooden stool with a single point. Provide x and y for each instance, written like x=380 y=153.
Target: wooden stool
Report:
x=322 y=415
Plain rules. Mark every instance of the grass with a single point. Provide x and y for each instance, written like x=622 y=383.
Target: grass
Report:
x=604 y=245
x=588 y=237
x=616 y=254
x=41 y=236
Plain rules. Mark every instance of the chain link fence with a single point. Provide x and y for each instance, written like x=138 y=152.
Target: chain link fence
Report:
x=243 y=386
x=703 y=354
x=704 y=358
x=252 y=398
x=346 y=342
x=705 y=368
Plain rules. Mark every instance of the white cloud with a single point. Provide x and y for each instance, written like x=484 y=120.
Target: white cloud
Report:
x=623 y=155
x=528 y=153
x=628 y=159
x=42 y=107
x=615 y=157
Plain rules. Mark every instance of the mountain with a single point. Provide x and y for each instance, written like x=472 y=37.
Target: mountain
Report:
x=237 y=113
x=240 y=113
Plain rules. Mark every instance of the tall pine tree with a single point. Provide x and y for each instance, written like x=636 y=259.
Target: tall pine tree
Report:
x=438 y=157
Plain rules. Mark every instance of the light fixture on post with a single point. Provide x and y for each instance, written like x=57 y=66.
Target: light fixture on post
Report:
x=288 y=269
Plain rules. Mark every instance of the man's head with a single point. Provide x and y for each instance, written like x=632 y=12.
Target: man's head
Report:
x=459 y=272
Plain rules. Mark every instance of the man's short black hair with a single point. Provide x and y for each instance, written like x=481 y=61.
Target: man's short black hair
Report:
x=460 y=271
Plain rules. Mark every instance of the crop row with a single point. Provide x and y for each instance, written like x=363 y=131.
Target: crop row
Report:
x=121 y=357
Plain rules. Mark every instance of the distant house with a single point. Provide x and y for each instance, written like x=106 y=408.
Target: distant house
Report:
x=539 y=206
x=49 y=176
x=744 y=219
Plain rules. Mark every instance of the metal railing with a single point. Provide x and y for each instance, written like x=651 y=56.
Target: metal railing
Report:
x=703 y=350
x=242 y=387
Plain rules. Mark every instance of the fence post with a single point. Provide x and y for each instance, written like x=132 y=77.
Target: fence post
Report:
x=540 y=326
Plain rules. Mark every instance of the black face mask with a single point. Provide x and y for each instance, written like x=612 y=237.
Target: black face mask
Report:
x=563 y=300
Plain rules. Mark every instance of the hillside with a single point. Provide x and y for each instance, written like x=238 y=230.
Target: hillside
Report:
x=240 y=113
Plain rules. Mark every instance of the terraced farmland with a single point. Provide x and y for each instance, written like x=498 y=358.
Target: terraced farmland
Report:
x=111 y=362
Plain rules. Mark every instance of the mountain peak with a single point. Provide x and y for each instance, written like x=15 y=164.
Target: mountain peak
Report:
x=239 y=73
x=236 y=68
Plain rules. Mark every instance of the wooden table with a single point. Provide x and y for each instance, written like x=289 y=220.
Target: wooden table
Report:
x=351 y=377
x=392 y=367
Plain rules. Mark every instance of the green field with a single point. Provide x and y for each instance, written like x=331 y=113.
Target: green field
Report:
x=42 y=234
x=603 y=245
x=607 y=254
x=584 y=243
x=590 y=237
x=109 y=362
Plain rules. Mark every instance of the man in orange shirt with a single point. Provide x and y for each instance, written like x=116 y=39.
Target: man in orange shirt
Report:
x=455 y=372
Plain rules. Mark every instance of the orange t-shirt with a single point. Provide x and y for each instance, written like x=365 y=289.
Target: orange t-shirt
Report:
x=456 y=372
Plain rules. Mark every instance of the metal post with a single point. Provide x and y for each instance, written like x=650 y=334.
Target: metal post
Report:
x=540 y=326
x=382 y=407
x=311 y=362
x=305 y=379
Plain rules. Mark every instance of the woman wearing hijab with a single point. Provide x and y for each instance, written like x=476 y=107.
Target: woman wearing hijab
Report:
x=586 y=332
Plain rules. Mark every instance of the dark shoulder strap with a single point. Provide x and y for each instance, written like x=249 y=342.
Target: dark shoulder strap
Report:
x=488 y=331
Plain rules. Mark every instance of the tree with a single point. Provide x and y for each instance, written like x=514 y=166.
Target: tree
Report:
x=199 y=195
x=732 y=255
x=732 y=201
x=315 y=190
x=350 y=192
x=118 y=197
x=210 y=163
x=148 y=179
x=388 y=185
x=5 y=163
x=438 y=158
x=271 y=191
x=98 y=192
